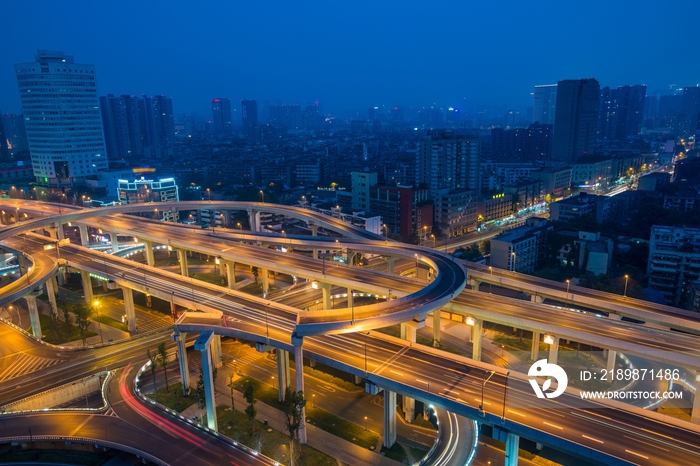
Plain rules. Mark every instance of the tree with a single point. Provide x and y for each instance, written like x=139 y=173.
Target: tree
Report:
x=255 y=272
x=82 y=313
x=163 y=362
x=486 y=246
x=153 y=358
x=232 y=386
x=293 y=409
x=250 y=410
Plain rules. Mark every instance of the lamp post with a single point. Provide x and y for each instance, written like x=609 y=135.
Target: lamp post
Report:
x=491 y=282
x=505 y=395
x=209 y=193
x=366 y=335
x=495 y=453
x=352 y=307
x=627 y=277
x=19 y=316
x=483 y=385
x=512 y=263
x=239 y=226
x=96 y=306
x=267 y=323
x=262 y=193
x=433 y=236
x=568 y=283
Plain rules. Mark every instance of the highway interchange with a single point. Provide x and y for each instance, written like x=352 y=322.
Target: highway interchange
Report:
x=461 y=381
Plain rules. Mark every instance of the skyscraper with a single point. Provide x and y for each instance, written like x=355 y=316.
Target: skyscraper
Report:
x=249 y=115
x=221 y=116
x=621 y=112
x=447 y=162
x=576 y=119
x=120 y=119
x=62 y=118
x=690 y=109
x=157 y=125
x=545 y=103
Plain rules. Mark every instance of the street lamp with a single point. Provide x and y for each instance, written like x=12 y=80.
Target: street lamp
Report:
x=512 y=263
x=209 y=193
x=491 y=282
x=627 y=277
x=366 y=335
x=365 y=423
x=433 y=236
x=19 y=316
x=313 y=399
x=568 y=283
x=495 y=453
x=267 y=323
x=96 y=305
x=262 y=193
x=483 y=385
x=239 y=226
x=384 y=227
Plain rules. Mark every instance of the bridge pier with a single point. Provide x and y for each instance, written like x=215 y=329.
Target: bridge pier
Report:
x=436 y=328
x=129 y=308
x=182 y=257
x=51 y=292
x=474 y=284
x=512 y=447
x=351 y=256
x=230 y=273
x=84 y=235
x=326 y=289
x=87 y=286
x=351 y=298
x=695 y=413
x=34 y=313
x=216 y=357
x=148 y=252
x=203 y=345
x=390 y=261
x=553 y=351
x=265 y=276
x=535 y=351
x=389 y=418
x=536 y=299
x=408 y=332
x=283 y=374
x=254 y=220
x=182 y=362
x=477 y=337
x=115 y=241
x=612 y=356
x=298 y=341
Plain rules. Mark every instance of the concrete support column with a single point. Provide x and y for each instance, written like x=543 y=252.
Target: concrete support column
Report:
x=536 y=299
x=390 y=263
x=87 y=286
x=512 y=447
x=34 y=313
x=182 y=257
x=314 y=229
x=477 y=336
x=389 y=418
x=408 y=332
x=299 y=369
x=535 y=351
x=436 y=328
x=283 y=374
x=230 y=273
x=148 y=252
x=351 y=257
x=409 y=408
x=553 y=351
x=216 y=358
x=254 y=220
x=695 y=413
x=22 y=262
x=114 y=241
x=326 y=288
x=474 y=284
x=61 y=276
x=264 y=275
x=51 y=292
x=84 y=236
x=59 y=231
x=612 y=356
x=182 y=361
x=129 y=308
x=203 y=345
x=3 y=259
x=351 y=298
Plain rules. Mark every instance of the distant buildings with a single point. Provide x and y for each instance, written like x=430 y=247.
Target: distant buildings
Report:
x=62 y=118
x=544 y=104
x=361 y=184
x=446 y=162
x=521 y=249
x=576 y=121
x=557 y=180
x=592 y=173
x=690 y=109
x=586 y=251
x=405 y=210
x=142 y=190
x=249 y=115
x=674 y=263
x=531 y=143
x=621 y=112
x=15 y=133
x=221 y=118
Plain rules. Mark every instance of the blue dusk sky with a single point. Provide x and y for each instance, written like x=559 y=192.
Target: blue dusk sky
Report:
x=355 y=54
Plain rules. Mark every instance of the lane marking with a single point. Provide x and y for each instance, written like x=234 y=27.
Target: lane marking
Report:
x=516 y=413
x=397 y=373
x=553 y=425
x=646 y=443
x=656 y=433
x=637 y=454
x=72 y=434
x=485 y=402
x=591 y=438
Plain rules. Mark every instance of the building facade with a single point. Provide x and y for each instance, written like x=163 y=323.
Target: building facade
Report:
x=544 y=104
x=62 y=118
x=221 y=118
x=447 y=162
x=576 y=122
x=674 y=262
x=521 y=249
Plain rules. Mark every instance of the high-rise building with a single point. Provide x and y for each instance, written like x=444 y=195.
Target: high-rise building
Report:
x=157 y=125
x=62 y=118
x=674 y=256
x=249 y=115
x=576 y=119
x=447 y=162
x=15 y=133
x=4 y=153
x=690 y=109
x=545 y=104
x=221 y=116
x=122 y=128
x=621 y=112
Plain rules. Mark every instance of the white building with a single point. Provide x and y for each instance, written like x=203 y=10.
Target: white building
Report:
x=674 y=263
x=62 y=118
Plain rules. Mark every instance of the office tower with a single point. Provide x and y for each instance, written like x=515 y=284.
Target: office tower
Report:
x=157 y=125
x=690 y=109
x=62 y=118
x=621 y=112
x=122 y=127
x=221 y=116
x=447 y=162
x=545 y=103
x=672 y=265
x=288 y=115
x=249 y=115
x=15 y=133
x=576 y=119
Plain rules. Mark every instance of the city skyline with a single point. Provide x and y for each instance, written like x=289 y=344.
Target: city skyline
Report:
x=352 y=60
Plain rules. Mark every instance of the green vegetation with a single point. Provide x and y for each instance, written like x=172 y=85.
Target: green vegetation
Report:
x=395 y=331
x=399 y=452
x=256 y=289
x=331 y=376
x=64 y=332
x=173 y=398
x=112 y=322
x=213 y=278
